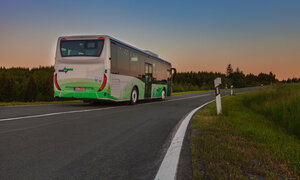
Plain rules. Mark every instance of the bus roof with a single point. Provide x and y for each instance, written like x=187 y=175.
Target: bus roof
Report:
x=125 y=44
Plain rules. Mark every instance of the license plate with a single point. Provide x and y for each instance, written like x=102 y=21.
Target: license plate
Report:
x=79 y=89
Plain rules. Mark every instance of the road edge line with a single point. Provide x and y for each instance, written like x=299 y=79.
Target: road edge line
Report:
x=168 y=167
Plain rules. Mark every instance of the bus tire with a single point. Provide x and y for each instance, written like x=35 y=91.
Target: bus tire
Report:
x=163 y=94
x=134 y=96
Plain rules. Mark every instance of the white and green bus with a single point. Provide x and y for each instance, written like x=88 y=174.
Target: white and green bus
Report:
x=104 y=68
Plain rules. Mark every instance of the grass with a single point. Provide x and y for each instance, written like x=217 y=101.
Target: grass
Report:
x=256 y=137
x=198 y=91
x=280 y=104
x=36 y=103
x=188 y=92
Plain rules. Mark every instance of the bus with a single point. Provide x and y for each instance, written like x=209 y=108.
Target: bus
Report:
x=95 y=68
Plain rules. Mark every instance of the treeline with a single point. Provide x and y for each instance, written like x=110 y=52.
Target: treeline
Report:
x=24 y=84
x=291 y=80
x=192 y=81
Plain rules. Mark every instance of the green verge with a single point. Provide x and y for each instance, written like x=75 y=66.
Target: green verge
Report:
x=189 y=92
x=249 y=140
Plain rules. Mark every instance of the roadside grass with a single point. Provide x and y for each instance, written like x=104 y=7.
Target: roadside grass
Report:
x=198 y=91
x=247 y=141
x=36 y=103
x=189 y=92
x=280 y=104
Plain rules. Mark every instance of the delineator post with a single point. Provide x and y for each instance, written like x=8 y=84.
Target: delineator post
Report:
x=218 y=83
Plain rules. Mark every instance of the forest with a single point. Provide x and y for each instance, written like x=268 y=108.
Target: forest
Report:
x=192 y=81
x=36 y=84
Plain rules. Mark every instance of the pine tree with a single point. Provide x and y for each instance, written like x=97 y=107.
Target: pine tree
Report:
x=229 y=70
x=31 y=90
x=7 y=91
x=3 y=91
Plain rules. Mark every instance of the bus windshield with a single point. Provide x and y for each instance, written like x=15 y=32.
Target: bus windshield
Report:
x=81 y=47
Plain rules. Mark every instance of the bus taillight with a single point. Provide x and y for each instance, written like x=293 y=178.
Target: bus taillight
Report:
x=100 y=37
x=103 y=84
x=63 y=39
x=55 y=81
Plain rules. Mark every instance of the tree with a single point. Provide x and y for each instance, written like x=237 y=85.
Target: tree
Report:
x=31 y=90
x=3 y=91
x=7 y=91
x=272 y=77
x=229 y=70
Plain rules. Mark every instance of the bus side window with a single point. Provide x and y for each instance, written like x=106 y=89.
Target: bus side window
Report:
x=154 y=71
x=169 y=72
x=159 y=71
x=134 y=64
x=123 y=61
x=114 y=59
x=141 y=65
x=165 y=73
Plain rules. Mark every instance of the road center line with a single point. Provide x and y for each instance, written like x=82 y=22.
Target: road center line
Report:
x=168 y=167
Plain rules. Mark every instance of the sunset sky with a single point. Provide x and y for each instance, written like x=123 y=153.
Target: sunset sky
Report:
x=254 y=35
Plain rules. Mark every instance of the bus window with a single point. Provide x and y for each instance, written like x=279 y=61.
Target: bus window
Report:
x=165 y=73
x=81 y=47
x=141 y=63
x=159 y=71
x=150 y=69
x=114 y=59
x=123 y=60
x=154 y=71
x=134 y=64
x=146 y=69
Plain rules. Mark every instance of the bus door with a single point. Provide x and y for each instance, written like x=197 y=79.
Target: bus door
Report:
x=148 y=80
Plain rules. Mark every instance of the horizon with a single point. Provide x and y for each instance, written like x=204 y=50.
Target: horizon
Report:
x=256 y=36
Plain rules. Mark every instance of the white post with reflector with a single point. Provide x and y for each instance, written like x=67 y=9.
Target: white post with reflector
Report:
x=218 y=83
x=231 y=90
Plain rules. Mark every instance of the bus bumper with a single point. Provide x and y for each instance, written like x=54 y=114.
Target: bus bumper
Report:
x=83 y=95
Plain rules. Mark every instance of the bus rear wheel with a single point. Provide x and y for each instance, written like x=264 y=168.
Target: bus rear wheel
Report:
x=134 y=96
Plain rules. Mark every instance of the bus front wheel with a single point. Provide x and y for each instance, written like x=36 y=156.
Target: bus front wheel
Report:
x=134 y=96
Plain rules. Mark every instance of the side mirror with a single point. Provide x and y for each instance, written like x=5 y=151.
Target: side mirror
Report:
x=173 y=71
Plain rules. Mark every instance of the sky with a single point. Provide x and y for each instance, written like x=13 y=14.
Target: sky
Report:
x=194 y=35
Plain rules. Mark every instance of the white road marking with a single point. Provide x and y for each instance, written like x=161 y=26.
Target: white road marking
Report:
x=168 y=167
x=87 y=110
x=56 y=113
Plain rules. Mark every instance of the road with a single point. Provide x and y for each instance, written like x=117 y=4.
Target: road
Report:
x=82 y=141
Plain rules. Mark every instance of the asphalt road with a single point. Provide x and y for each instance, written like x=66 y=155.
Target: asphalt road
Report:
x=82 y=141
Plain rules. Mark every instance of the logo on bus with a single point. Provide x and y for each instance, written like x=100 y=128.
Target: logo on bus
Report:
x=65 y=70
